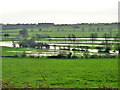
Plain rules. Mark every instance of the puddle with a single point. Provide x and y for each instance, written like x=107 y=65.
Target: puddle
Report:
x=21 y=51
x=85 y=38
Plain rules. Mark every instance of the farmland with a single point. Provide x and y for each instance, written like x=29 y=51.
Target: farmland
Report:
x=64 y=31
x=66 y=56
x=68 y=73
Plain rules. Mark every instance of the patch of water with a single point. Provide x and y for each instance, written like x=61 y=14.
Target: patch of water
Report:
x=7 y=44
x=76 y=41
x=21 y=51
x=85 y=38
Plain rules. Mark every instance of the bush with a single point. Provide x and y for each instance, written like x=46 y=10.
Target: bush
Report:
x=31 y=56
x=74 y=57
x=23 y=55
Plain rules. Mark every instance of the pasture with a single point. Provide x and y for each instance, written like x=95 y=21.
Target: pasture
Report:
x=64 y=31
x=64 y=73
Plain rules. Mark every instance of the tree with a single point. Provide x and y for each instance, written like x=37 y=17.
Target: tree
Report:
x=86 y=55
x=74 y=37
x=6 y=35
x=23 y=55
x=62 y=54
x=68 y=47
x=14 y=45
x=38 y=36
x=110 y=33
x=106 y=36
x=96 y=35
x=40 y=29
x=98 y=29
x=92 y=36
x=69 y=36
x=23 y=33
x=27 y=43
x=86 y=47
x=117 y=47
x=99 y=48
x=69 y=55
x=54 y=46
x=31 y=43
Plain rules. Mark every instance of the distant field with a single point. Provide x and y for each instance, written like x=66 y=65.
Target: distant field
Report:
x=64 y=31
x=65 y=73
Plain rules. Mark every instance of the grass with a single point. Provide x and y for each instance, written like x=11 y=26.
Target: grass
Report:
x=67 y=73
x=65 y=30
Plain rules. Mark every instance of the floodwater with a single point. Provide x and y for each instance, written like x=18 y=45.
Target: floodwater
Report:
x=52 y=47
x=10 y=44
x=78 y=42
x=7 y=44
x=85 y=38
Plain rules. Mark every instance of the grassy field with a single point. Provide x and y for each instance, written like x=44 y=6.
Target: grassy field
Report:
x=64 y=31
x=65 y=73
x=60 y=73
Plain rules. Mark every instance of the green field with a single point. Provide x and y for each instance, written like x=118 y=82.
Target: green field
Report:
x=64 y=31
x=87 y=67
x=64 y=73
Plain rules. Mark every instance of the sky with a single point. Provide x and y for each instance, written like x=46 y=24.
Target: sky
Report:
x=58 y=11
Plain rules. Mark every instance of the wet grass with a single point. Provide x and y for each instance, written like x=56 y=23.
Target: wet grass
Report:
x=67 y=73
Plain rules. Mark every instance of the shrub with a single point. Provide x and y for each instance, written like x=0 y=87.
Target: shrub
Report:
x=23 y=55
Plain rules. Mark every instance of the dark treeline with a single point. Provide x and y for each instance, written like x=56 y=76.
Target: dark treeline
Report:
x=28 y=26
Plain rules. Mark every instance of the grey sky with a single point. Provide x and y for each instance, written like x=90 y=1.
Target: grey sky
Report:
x=58 y=11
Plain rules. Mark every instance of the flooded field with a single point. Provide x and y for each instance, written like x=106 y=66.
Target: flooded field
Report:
x=60 y=56
x=77 y=47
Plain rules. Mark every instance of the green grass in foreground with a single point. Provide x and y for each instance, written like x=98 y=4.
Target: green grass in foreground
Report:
x=67 y=73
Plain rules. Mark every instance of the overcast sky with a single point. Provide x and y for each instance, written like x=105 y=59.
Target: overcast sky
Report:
x=58 y=11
